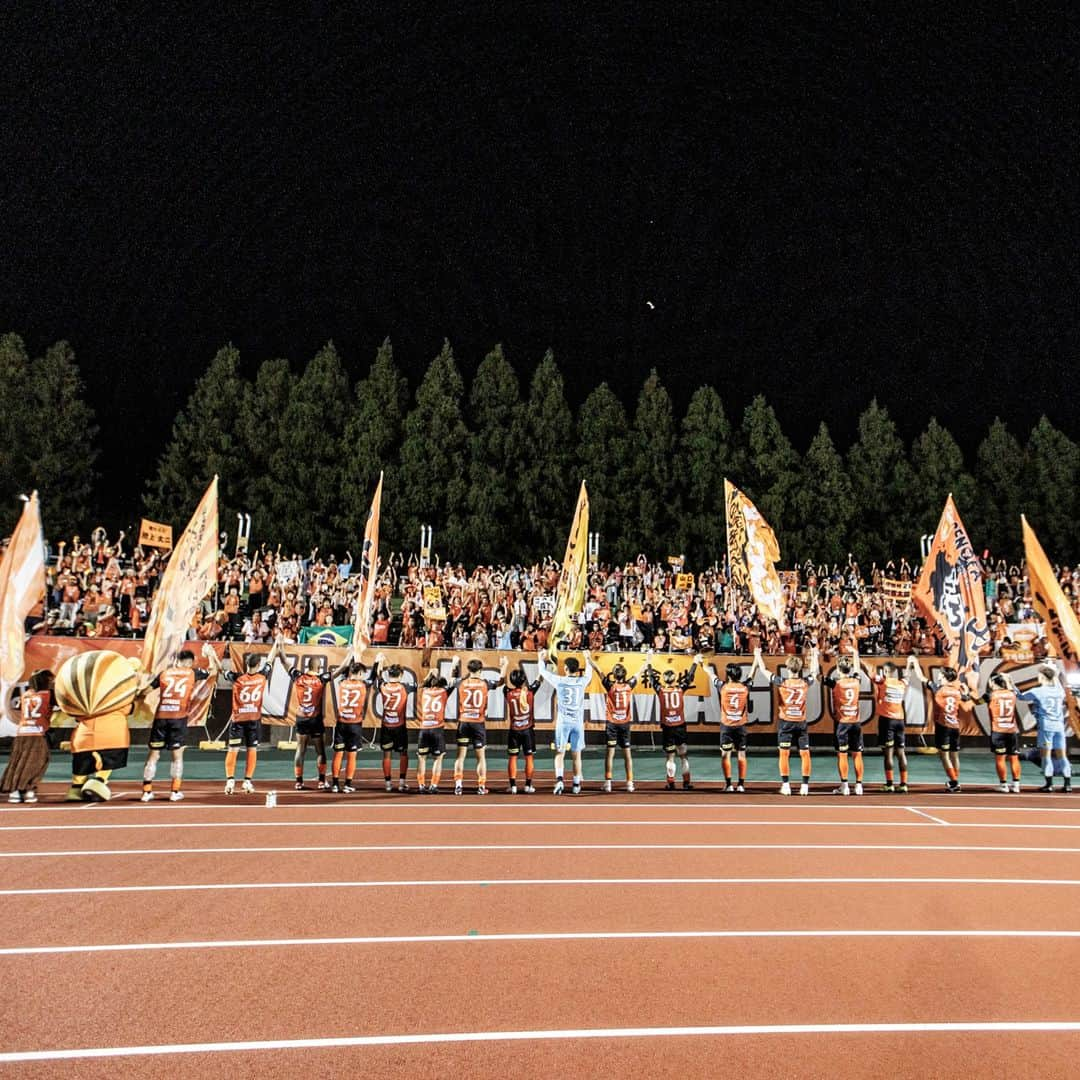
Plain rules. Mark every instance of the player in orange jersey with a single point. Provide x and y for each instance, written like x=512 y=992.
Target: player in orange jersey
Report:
x=351 y=696
x=521 y=736
x=735 y=709
x=309 y=685
x=248 y=693
x=793 y=689
x=890 y=687
x=949 y=694
x=1001 y=698
x=472 y=705
x=169 y=728
x=431 y=707
x=619 y=699
x=670 y=692
x=393 y=731
x=846 y=686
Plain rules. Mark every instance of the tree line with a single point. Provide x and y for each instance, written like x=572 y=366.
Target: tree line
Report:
x=495 y=467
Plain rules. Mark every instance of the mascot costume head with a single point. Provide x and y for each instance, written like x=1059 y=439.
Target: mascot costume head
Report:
x=97 y=690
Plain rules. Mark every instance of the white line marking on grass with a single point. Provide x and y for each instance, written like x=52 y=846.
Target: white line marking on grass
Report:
x=429 y=939
x=923 y=813
x=82 y=1053
x=451 y=883
x=450 y=848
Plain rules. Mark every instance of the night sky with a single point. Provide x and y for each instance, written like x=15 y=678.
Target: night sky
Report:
x=821 y=207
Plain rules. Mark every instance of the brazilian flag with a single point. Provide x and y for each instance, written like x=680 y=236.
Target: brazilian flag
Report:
x=327 y=636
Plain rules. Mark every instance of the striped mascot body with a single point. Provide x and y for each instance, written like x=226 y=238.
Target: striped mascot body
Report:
x=97 y=690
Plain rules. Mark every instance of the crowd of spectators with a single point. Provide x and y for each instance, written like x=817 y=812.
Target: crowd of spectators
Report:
x=104 y=588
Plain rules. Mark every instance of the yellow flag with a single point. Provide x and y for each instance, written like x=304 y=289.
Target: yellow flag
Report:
x=570 y=594
x=22 y=585
x=369 y=571
x=753 y=553
x=188 y=578
x=1050 y=603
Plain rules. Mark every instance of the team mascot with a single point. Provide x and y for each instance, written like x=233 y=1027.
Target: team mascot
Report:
x=97 y=690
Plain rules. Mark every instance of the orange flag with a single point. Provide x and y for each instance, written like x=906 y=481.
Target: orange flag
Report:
x=189 y=577
x=22 y=585
x=950 y=592
x=753 y=553
x=369 y=571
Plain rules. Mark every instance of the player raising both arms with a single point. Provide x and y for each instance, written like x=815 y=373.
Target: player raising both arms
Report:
x=671 y=694
x=793 y=690
x=472 y=703
x=619 y=691
x=169 y=729
x=431 y=743
x=309 y=686
x=846 y=686
x=735 y=707
x=890 y=687
x=570 y=721
x=521 y=737
x=248 y=693
x=351 y=695
x=949 y=693
x=1000 y=697
x=1047 y=702
x=393 y=731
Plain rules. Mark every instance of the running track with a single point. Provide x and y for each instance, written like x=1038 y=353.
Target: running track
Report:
x=609 y=935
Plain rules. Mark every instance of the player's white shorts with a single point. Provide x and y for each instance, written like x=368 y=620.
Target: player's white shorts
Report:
x=1054 y=739
x=569 y=735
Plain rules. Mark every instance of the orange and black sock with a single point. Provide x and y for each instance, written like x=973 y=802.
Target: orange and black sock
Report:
x=742 y=769
x=528 y=768
x=230 y=763
x=403 y=766
x=842 y=766
x=350 y=765
x=858 y=766
x=726 y=765
x=999 y=763
x=511 y=768
x=386 y=765
x=804 y=759
x=339 y=757
x=249 y=762
x=785 y=765
x=1014 y=761
x=888 y=774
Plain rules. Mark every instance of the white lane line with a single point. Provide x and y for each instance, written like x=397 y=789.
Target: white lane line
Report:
x=584 y=935
x=923 y=813
x=460 y=823
x=451 y=883
x=82 y=1053
x=449 y=848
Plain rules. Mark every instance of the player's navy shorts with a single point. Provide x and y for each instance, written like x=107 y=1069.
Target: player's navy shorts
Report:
x=617 y=735
x=312 y=726
x=733 y=737
x=849 y=738
x=394 y=738
x=1005 y=742
x=892 y=733
x=244 y=733
x=674 y=736
x=521 y=741
x=347 y=736
x=431 y=741
x=793 y=734
x=947 y=738
x=167 y=733
x=470 y=733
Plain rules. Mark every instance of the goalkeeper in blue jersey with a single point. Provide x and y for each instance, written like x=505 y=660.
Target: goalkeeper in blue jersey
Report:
x=1047 y=702
x=570 y=722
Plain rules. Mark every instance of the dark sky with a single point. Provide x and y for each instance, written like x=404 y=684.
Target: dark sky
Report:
x=820 y=207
